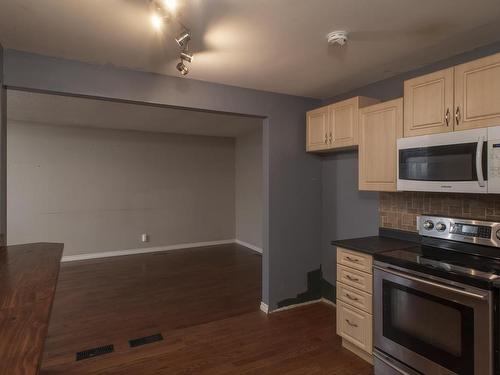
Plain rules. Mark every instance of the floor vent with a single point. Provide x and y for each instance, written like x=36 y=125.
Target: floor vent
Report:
x=145 y=340
x=90 y=353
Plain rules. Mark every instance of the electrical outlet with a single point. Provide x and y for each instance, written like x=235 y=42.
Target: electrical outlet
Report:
x=145 y=237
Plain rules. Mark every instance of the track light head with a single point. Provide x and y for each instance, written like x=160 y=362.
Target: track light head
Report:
x=183 y=69
x=157 y=21
x=171 y=5
x=187 y=56
x=183 y=38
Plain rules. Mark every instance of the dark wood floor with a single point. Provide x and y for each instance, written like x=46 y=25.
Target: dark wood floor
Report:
x=205 y=302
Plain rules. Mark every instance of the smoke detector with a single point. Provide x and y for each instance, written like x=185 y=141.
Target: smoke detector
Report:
x=337 y=37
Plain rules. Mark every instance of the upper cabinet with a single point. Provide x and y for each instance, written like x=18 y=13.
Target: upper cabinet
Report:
x=380 y=126
x=428 y=104
x=335 y=126
x=318 y=128
x=477 y=93
x=463 y=97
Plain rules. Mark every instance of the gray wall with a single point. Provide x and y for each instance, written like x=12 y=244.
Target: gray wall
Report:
x=343 y=205
x=346 y=212
x=392 y=88
x=292 y=185
x=249 y=197
x=98 y=190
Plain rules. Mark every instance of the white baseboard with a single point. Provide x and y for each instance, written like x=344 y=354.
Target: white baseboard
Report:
x=264 y=307
x=289 y=307
x=106 y=254
x=250 y=246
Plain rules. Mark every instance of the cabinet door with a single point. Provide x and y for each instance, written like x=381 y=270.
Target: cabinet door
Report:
x=344 y=123
x=477 y=93
x=317 y=129
x=428 y=104
x=355 y=326
x=380 y=126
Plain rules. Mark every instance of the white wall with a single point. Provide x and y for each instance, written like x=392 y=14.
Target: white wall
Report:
x=249 y=189
x=98 y=190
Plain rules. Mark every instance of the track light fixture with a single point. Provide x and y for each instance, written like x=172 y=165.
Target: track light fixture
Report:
x=187 y=56
x=164 y=12
x=157 y=21
x=183 y=38
x=182 y=68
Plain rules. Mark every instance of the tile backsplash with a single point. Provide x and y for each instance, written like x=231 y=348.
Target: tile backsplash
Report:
x=400 y=210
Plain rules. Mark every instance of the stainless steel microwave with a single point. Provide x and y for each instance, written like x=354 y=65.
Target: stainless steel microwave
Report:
x=461 y=162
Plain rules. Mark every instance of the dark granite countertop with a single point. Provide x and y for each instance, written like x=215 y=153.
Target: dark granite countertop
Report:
x=403 y=248
x=386 y=240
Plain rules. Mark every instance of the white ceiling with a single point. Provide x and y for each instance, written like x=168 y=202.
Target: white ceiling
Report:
x=71 y=111
x=274 y=45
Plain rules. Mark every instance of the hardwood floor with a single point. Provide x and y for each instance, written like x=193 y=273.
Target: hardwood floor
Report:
x=205 y=303
x=28 y=276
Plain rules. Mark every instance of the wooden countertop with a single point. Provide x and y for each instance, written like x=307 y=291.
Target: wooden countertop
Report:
x=28 y=278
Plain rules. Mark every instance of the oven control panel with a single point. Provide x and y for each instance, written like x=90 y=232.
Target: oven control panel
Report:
x=463 y=230
x=481 y=231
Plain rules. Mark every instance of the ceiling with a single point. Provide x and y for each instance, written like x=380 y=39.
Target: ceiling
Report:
x=273 y=45
x=59 y=110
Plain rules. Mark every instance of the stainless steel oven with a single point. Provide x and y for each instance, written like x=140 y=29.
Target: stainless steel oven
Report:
x=463 y=162
x=428 y=325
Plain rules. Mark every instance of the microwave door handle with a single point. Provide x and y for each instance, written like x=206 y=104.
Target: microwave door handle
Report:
x=479 y=162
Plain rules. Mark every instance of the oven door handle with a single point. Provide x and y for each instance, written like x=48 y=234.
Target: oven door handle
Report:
x=479 y=162
x=433 y=284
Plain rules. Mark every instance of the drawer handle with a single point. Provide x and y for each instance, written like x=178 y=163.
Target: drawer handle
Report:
x=351 y=297
x=354 y=260
x=351 y=324
x=349 y=277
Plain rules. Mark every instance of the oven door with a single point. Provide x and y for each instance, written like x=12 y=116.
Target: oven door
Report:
x=432 y=325
x=455 y=162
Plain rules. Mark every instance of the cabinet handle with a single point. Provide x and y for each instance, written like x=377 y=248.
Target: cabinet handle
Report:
x=354 y=260
x=326 y=138
x=349 y=277
x=447 y=117
x=351 y=297
x=457 y=115
x=331 y=137
x=351 y=324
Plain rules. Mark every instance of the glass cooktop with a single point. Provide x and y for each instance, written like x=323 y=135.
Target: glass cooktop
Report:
x=451 y=262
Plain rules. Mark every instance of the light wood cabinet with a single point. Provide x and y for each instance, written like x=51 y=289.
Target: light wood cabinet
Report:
x=463 y=97
x=355 y=297
x=357 y=279
x=380 y=126
x=335 y=126
x=477 y=93
x=318 y=128
x=344 y=119
x=354 y=259
x=428 y=104
x=355 y=326
x=355 y=302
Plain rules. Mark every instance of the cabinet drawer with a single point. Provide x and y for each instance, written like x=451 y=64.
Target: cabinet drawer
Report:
x=355 y=326
x=359 y=261
x=357 y=279
x=355 y=297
